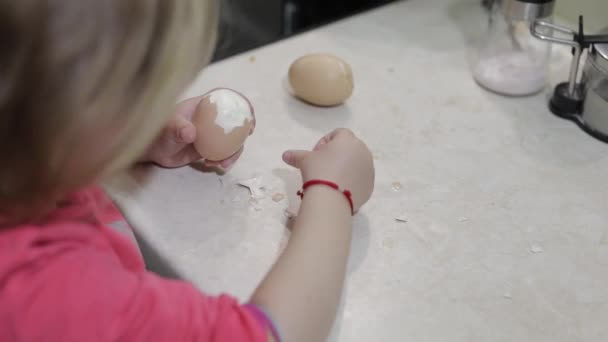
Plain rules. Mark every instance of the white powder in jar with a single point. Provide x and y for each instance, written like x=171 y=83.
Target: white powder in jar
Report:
x=515 y=74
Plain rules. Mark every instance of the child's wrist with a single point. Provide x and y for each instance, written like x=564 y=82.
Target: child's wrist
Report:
x=330 y=199
x=331 y=185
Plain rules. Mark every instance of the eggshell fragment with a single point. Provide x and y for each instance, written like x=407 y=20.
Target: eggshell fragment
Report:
x=321 y=79
x=223 y=120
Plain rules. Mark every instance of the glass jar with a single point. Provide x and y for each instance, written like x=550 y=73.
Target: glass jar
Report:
x=509 y=60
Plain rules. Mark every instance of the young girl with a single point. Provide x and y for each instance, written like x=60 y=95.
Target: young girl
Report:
x=85 y=86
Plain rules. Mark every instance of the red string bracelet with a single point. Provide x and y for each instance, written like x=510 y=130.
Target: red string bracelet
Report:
x=313 y=182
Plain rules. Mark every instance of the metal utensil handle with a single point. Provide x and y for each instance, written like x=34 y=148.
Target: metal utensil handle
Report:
x=538 y=34
x=534 y=30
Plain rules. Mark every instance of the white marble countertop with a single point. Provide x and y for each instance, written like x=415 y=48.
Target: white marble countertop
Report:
x=506 y=232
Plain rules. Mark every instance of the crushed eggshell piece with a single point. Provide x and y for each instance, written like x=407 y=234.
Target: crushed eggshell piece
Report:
x=536 y=248
x=255 y=187
x=401 y=219
x=396 y=186
x=278 y=197
x=289 y=214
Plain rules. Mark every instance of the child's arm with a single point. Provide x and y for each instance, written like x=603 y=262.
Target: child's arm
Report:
x=90 y=284
x=302 y=291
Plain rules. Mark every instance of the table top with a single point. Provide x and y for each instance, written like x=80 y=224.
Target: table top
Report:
x=488 y=221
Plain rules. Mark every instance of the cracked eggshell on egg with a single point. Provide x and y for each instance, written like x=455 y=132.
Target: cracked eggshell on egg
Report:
x=321 y=79
x=223 y=121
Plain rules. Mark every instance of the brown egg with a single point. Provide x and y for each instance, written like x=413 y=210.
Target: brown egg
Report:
x=322 y=80
x=223 y=120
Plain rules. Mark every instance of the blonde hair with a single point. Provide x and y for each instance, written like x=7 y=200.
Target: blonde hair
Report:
x=85 y=85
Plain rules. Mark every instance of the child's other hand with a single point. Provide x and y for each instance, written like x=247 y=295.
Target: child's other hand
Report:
x=174 y=146
x=338 y=157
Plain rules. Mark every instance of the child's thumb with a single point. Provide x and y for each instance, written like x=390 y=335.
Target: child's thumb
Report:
x=295 y=157
x=182 y=130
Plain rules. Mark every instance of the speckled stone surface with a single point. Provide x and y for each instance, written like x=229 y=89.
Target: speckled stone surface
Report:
x=503 y=231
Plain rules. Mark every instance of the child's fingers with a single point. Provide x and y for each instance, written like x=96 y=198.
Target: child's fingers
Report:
x=340 y=132
x=182 y=131
x=331 y=136
x=186 y=156
x=187 y=107
x=295 y=157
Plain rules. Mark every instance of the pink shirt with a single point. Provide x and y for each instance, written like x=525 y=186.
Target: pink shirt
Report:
x=72 y=278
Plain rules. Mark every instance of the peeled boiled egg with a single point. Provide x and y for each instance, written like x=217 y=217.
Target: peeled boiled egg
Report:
x=321 y=79
x=223 y=120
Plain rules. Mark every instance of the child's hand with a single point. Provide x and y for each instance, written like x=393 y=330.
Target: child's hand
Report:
x=338 y=157
x=174 y=148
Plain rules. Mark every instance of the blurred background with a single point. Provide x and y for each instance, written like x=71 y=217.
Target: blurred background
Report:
x=247 y=24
